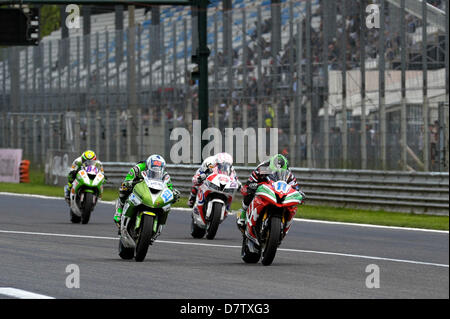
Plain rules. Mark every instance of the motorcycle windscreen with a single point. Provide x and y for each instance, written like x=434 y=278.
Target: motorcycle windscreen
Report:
x=153 y=174
x=90 y=167
x=279 y=176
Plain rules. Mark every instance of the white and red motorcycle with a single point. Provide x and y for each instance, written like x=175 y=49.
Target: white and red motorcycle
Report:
x=213 y=201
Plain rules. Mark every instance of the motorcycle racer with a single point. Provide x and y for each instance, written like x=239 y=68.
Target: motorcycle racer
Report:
x=208 y=165
x=200 y=175
x=155 y=167
x=276 y=163
x=76 y=166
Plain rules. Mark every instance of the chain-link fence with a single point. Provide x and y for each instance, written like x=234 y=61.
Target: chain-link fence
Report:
x=339 y=93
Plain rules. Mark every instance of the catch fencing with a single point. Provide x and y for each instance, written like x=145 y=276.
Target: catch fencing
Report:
x=376 y=190
x=341 y=94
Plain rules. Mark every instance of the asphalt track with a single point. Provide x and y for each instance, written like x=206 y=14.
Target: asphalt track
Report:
x=316 y=260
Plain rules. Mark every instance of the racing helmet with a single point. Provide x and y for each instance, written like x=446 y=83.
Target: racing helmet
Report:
x=88 y=156
x=209 y=162
x=156 y=166
x=224 y=158
x=278 y=163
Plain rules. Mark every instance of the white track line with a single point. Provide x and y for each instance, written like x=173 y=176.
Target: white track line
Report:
x=234 y=246
x=296 y=219
x=21 y=294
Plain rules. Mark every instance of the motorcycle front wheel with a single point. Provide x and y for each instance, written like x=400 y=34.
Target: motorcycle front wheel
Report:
x=145 y=237
x=272 y=242
x=213 y=224
x=87 y=208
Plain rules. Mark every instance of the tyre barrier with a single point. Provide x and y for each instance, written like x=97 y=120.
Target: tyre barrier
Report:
x=24 y=171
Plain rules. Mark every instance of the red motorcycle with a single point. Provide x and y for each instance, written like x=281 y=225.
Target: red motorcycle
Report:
x=269 y=216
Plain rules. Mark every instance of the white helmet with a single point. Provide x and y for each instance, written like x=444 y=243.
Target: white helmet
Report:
x=156 y=166
x=224 y=158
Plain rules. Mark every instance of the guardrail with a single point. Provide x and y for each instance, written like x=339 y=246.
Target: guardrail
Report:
x=410 y=192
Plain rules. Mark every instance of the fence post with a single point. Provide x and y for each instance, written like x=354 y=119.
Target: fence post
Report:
x=107 y=134
x=299 y=88
x=35 y=133
x=260 y=75
x=118 y=137
x=425 y=109
x=363 y=86
x=77 y=132
x=43 y=139
x=381 y=87
x=97 y=131
x=403 y=124
x=309 y=86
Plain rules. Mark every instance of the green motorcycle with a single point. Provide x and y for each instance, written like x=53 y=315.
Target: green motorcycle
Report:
x=86 y=189
x=144 y=213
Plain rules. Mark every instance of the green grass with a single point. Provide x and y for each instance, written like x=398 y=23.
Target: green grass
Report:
x=37 y=186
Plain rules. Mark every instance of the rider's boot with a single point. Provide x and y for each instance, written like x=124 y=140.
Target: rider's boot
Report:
x=67 y=189
x=240 y=222
x=118 y=213
x=192 y=197
x=158 y=232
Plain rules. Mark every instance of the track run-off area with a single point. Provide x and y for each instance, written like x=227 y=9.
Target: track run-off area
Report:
x=316 y=260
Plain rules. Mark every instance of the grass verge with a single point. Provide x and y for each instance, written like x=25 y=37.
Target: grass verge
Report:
x=37 y=186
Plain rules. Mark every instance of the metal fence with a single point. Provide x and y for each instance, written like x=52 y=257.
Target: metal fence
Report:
x=418 y=192
x=341 y=95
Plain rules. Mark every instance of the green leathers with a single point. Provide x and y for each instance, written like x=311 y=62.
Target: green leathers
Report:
x=153 y=167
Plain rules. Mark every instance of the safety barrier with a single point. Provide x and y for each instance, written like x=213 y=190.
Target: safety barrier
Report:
x=24 y=171
x=410 y=192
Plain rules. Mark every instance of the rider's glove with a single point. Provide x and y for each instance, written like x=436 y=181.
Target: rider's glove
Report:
x=176 y=194
x=303 y=196
x=127 y=185
x=201 y=178
x=253 y=186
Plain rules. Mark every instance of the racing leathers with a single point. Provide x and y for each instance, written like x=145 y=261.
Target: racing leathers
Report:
x=133 y=177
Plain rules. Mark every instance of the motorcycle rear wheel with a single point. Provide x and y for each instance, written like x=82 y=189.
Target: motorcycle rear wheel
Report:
x=125 y=253
x=248 y=256
x=196 y=231
x=74 y=218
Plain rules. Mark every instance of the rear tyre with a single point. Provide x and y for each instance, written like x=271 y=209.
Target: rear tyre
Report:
x=125 y=253
x=196 y=231
x=74 y=218
x=145 y=237
x=272 y=241
x=213 y=224
x=88 y=207
x=248 y=256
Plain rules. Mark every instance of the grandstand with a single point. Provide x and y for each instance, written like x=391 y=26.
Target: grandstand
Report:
x=171 y=17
